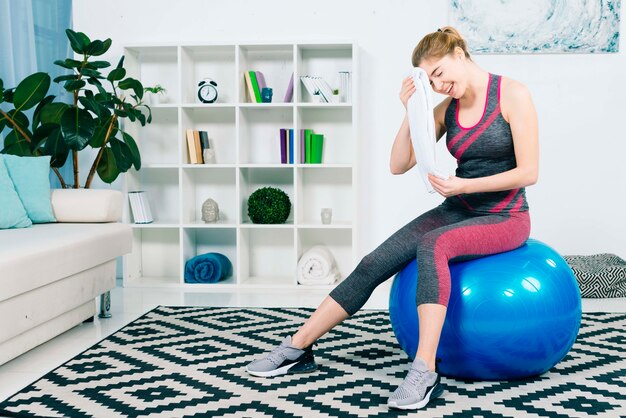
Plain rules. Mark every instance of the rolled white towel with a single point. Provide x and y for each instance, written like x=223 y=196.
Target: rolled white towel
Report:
x=317 y=267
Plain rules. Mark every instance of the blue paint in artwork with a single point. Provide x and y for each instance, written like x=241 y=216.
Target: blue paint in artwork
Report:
x=544 y=26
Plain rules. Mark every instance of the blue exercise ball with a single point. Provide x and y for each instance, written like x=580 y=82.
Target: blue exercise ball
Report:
x=510 y=315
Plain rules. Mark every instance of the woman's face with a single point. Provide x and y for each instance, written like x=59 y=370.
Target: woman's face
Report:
x=447 y=74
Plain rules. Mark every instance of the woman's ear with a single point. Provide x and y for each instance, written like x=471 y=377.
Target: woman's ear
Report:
x=458 y=53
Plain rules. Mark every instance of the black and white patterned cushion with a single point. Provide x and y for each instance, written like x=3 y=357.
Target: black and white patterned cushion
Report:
x=599 y=275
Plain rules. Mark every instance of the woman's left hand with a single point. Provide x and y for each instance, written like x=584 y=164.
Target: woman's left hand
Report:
x=449 y=187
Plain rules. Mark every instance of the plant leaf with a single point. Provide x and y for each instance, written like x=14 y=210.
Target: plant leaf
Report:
x=56 y=147
x=65 y=78
x=94 y=47
x=131 y=83
x=31 y=91
x=68 y=63
x=123 y=154
x=7 y=96
x=116 y=74
x=19 y=118
x=141 y=117
x=120 y=63
x=62 y=63
x=98 y=47
x=100 y=132
x=106 y=99
x=15 y=144
x=92 y=73
x=106 y=44
x=131 y=114
x=121 y=113
x=41 y=134
x=90 y=104
x=107 y=169
x=78 y=127
x=1 y=96
x=52 y=112
x=37 y=113
x=98 y=64
x=73 y=85
x=78 y=41
x=134 y=150
x=98 y=84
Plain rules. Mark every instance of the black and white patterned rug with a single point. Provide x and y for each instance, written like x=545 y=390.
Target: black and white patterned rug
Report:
x=189 y=361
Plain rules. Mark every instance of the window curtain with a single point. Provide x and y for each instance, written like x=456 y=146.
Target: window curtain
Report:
x=32 y=37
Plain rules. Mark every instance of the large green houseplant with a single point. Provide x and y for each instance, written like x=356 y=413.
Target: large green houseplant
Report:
x=92 y=120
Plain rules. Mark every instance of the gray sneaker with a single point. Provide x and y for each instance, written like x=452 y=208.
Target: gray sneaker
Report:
x=284 y=359
x=419 y=387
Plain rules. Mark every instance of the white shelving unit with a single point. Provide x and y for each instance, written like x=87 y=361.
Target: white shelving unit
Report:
x=245 y=137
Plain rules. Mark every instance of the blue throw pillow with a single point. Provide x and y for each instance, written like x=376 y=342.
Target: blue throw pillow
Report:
x=31 y=178
x=12 y=212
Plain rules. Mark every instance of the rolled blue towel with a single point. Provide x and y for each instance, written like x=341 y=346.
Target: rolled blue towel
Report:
x=207 y=268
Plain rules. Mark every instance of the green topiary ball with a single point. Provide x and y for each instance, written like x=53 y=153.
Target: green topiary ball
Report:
x=269 y=205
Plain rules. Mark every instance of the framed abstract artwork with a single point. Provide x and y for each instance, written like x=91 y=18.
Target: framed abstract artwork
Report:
x=538 y=26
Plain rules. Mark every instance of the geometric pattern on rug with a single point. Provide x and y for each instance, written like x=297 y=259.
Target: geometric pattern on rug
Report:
x=189 y=361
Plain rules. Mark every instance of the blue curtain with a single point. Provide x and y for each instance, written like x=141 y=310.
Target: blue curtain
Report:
x=32 y=37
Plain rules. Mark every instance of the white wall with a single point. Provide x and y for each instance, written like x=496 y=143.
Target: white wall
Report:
x=578 y=204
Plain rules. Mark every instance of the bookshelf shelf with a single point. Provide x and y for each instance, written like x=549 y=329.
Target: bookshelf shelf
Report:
x=208 y=106
x=245 y=138
x=156 y=224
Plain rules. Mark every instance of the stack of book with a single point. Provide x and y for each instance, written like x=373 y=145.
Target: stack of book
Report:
x=255 y=81
x=286 y=146
x=140 y=207
x=317 y=86
x=199 y=147
x=311 y=146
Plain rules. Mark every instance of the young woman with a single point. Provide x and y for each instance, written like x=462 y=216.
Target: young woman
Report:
x=491 y=127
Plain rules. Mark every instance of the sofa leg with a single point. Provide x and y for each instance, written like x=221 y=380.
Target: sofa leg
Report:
x=105 y=305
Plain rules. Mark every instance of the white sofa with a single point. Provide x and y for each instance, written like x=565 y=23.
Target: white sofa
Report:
x=50 y=274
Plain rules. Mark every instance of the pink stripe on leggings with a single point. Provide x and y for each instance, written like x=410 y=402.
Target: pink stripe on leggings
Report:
x=477 y=239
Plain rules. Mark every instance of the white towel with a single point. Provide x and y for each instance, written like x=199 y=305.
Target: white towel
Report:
x=317 y=267
x=422 y=128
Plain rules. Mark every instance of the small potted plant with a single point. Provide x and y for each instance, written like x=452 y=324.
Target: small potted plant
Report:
x=269 y=205
x=158 y=94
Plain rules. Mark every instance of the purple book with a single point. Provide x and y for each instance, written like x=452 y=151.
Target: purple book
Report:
x=260 y=79
x=283 y=146
x=289 y=92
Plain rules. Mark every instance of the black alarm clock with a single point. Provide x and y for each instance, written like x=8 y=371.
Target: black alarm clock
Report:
x=207 y=91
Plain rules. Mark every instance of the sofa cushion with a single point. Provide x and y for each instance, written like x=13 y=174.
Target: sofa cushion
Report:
x=12 y=214
x=31 y=178
x=599 y=275
x=87 y=205
x=42 y=254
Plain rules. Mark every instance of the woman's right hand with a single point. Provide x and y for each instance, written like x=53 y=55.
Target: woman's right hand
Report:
x=408 y=88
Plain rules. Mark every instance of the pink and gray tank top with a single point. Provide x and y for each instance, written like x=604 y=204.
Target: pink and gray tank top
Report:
x=483 y=150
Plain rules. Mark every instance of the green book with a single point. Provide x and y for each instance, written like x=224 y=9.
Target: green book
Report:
x=317 y=145
x=255 y=86
x=307 y=145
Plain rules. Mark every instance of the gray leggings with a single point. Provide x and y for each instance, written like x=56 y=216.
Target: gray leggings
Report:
x=434 y=238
